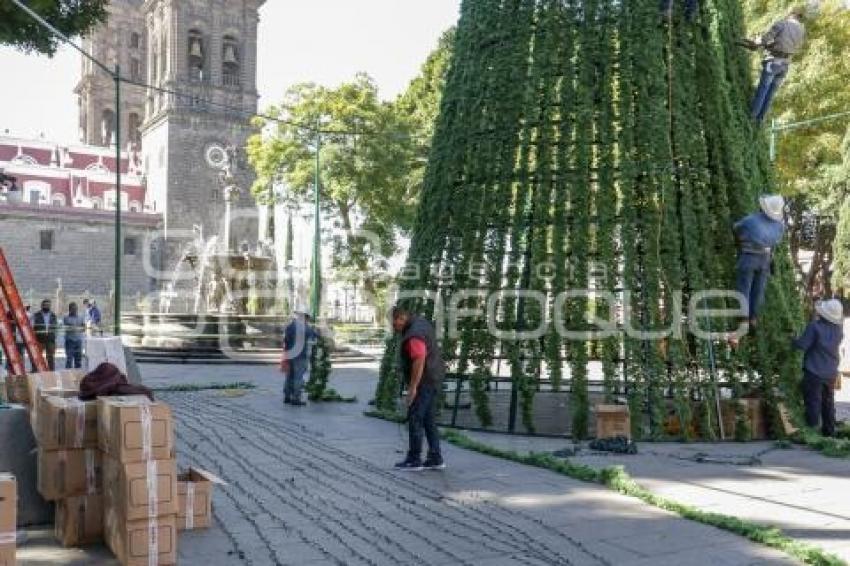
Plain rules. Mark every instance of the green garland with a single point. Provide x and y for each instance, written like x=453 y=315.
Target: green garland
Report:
x=594 y=135
x=320 y=372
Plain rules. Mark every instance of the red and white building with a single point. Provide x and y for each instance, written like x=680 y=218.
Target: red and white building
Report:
x=71 y=176
x=58 y=228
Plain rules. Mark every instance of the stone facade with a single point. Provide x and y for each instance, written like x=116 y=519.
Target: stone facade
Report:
x=207 y=50
x=122 y=41
x=77 y=247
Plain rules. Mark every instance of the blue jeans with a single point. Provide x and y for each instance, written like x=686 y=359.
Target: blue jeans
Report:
x=422 y=422
x=691 y=8
x=753 y=272
x=773 y=73
x=295 y=379
x=73 y=354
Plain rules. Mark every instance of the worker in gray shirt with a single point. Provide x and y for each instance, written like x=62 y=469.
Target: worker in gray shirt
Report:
x=781 y=42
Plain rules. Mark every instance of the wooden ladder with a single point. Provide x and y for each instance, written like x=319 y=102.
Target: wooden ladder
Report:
x=10 y=302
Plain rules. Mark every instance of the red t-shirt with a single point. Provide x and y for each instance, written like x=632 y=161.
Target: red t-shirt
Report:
x=416 y=349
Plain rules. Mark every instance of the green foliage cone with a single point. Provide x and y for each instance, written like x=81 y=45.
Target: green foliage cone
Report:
x=617 y=149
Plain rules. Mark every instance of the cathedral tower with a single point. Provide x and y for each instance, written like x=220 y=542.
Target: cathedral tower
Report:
x=121 y=40
x=208 y=51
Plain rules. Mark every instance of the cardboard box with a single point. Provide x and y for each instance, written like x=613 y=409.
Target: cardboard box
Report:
x=57 y=383
x=79 y=520
x=141 y=490
x=133 y=429
x=65 y=423
x=752 y=414
x=131 y=541
x=68 y=473
x=194 y=499
x=612 y=421
x=8 y=518
x=16 y=391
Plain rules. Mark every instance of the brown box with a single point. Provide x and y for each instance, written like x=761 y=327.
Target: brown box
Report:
x=131 y=542
x=613 y=420
x=127 y=491
x=134 y=429
x=194 y=499
x=68 y=473
x=79 y=520
x=8 y=518
x=16 y=391
x=56 y=383
x=753 y=415
x=64 y=423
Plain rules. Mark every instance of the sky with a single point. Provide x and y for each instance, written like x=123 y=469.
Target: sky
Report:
x=322 y=41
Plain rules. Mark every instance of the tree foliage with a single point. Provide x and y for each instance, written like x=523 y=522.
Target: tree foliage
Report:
x=71 y=17
x=588 y=137
x=365 y=152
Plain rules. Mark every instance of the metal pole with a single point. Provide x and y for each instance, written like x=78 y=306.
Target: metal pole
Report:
x=118 y=242
x=315 y=293
x=773 y=140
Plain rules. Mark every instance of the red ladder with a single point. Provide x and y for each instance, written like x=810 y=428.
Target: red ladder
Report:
x=10 y=301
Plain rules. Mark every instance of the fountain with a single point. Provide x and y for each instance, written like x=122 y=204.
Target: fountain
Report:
x=214 y=300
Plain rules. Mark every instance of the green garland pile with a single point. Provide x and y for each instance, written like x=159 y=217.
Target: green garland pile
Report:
x=589 y=135
x=320 y=372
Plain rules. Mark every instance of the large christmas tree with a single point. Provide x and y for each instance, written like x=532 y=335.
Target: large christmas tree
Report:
x=593 y=145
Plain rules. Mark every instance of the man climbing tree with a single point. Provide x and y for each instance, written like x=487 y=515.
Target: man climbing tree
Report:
x=781 y=42
x=757 y=235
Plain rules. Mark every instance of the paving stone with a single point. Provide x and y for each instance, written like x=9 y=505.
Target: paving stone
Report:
x=316 y=486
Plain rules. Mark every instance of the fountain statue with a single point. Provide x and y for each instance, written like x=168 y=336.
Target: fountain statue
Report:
x=219 y=288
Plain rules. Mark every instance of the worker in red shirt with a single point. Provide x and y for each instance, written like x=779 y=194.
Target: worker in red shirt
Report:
x=424 y=370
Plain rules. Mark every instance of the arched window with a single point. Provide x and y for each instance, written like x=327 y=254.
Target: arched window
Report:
x=135 y=206
x=230 y=67
x=58 y=200
x=135 y=135
x=96 y=203
x=196 y=56
x=107 y=126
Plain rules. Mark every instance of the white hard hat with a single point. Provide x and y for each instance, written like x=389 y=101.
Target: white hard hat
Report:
x=832 y=310
x=773 y=206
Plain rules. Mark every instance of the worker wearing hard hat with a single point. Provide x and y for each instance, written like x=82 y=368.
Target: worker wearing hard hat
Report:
x=821 y=343
x=758 y=235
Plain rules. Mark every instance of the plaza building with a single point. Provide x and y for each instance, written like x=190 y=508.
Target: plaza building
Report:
x=58 y=227
x=177 y=135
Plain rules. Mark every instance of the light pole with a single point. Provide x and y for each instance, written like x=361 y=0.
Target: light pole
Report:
x=315 y=291
x=117 y=298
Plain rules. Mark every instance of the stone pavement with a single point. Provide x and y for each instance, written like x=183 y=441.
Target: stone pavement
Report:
x=315 y=485
x=805 y=494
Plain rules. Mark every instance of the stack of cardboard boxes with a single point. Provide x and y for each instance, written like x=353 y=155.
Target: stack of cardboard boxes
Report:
x=109 y=466
x=69 y=462
x=140 y=474
x=8 y=514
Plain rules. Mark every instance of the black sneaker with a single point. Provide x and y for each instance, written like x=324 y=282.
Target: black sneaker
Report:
x=298 y=403
x=287 y=401
x=434 y=464
x=409 y=466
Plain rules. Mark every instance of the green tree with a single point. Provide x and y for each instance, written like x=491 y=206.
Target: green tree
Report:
x=419 y=105
x=365 y=154
x=834 y=197
x=71 y=17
